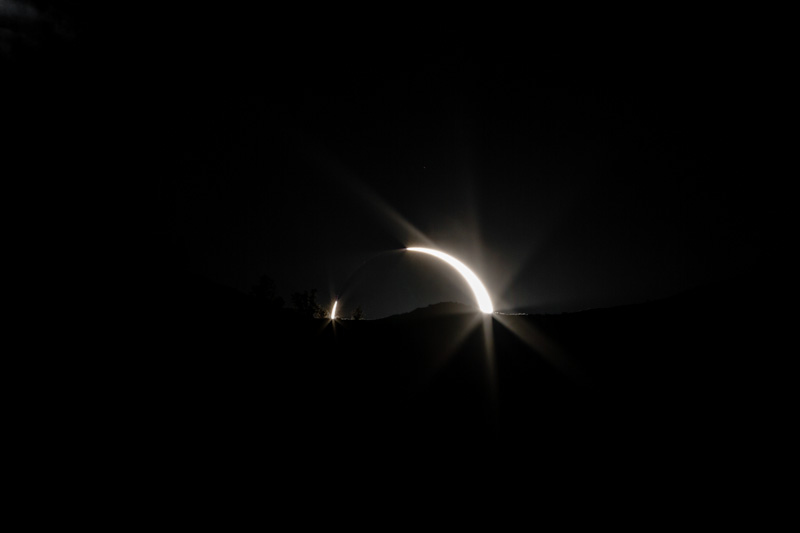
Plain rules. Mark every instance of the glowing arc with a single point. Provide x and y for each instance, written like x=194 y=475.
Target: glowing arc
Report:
x=333 y=311
x=481 y=295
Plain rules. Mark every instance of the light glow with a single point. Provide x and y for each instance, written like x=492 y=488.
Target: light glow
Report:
x=333 y=311
x=484 y=302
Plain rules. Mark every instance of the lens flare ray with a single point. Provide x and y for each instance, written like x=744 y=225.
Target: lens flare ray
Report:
x=481 y=295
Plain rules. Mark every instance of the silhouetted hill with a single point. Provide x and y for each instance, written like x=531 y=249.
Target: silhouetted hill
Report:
x=436 y=310
x=677 y=379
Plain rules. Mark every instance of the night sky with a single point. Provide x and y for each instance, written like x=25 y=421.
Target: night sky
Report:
x=567 y=172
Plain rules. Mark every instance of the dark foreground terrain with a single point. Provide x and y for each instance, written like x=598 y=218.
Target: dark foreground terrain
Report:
x=696 y=366
x=685 y=388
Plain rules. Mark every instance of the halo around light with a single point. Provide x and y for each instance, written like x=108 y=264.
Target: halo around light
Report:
x=484 y=302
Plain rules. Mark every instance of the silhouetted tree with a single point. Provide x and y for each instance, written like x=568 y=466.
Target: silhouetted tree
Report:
x=306 y=304
x=264 y=292
x=357 y=314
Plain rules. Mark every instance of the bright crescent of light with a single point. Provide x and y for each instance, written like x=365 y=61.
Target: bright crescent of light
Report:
x=333 y=311
x=484 y=302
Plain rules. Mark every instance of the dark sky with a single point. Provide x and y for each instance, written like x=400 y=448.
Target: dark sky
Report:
x=568 y=172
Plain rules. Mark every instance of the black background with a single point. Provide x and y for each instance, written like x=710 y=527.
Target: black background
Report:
x=574 y=160
x=571 y=162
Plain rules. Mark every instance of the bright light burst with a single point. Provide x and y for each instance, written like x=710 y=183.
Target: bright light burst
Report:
x=333 y=311
x=484 y=302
